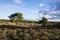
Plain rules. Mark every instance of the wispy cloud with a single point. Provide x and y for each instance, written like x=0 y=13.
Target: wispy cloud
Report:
x=18 y=1
x=46 y=8
x=50 y=9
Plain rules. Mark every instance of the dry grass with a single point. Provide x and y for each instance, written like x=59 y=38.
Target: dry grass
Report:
x=29 y=34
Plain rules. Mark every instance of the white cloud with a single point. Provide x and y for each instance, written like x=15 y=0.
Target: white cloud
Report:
x=48 y=16
x=55 y=20
x=54 y=12
x=18 y=1
x=41 y=5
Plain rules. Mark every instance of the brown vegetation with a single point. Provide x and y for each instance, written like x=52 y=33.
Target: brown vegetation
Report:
x=25 y=33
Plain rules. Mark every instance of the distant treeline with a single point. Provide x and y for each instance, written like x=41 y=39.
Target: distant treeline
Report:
x=5 y=20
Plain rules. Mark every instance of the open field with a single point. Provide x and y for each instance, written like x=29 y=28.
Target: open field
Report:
x=8 y=32
x=29 y=19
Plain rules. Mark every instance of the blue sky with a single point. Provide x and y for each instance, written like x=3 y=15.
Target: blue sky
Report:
x=31 y=9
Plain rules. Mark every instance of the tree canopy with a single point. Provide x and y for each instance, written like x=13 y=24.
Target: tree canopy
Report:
x=43 y=20
x=16 y=16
